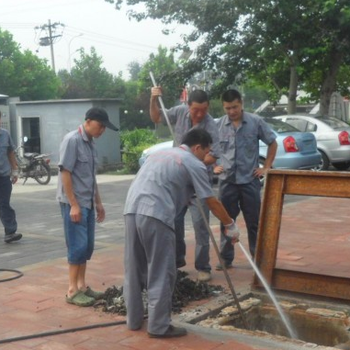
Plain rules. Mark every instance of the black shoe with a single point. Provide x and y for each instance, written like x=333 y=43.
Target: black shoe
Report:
x=218 y=267
x=171 y=332
x=12 y=237
x=180 y=263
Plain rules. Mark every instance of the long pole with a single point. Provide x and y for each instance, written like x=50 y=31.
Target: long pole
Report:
x=51 y=48
x=199 y=204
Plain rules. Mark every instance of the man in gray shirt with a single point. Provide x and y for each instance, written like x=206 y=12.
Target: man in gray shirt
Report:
x=160 y=191
x=184 y=118
x=79 y=197
x=240 y=187
x=8 y=176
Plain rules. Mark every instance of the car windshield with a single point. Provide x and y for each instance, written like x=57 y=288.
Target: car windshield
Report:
x=279 y=126
x=334 y=123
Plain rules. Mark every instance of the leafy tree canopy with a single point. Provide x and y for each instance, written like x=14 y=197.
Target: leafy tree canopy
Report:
x=88 y=79
x=23 y=74
x=278 y=43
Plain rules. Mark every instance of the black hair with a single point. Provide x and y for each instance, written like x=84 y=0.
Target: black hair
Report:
x=231 y=95
x=199 y=96
x=197 y=137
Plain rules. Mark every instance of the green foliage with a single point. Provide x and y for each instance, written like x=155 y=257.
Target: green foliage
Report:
x=135 y=108
x=279 y=44
x=23 y=74
x=88 y=79
x=133 y=143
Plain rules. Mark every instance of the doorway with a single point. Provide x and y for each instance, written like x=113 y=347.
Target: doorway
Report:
x=31 y=130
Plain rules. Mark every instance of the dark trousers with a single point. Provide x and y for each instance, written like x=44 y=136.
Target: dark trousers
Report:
x=245 y=198
x=7 y=214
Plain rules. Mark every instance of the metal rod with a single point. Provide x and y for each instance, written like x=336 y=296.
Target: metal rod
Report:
x=199 y=204
x=160 y=100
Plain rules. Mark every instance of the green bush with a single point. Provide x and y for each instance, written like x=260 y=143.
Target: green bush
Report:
x=133 y=143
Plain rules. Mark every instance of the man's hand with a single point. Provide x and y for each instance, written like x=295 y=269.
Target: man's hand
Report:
x=258 y=172
x=156 y=91
x=100 y=210
x=232 y=232
x=14 y=176
x=218 y=169
x=75 y=213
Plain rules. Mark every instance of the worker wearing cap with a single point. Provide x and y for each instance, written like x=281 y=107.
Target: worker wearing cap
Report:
x=79 y=198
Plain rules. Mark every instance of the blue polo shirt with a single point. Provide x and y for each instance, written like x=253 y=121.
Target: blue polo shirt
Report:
x=6 y=145
x=240 y=147
x=78 y=155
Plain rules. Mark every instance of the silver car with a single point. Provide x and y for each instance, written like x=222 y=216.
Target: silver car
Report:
x=332 y=136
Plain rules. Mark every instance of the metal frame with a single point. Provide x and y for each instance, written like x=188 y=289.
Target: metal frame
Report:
x=308 y=183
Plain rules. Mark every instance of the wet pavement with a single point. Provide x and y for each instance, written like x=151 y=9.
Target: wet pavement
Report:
x=314 y=236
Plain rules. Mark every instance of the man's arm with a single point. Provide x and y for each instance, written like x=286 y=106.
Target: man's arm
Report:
x=14 y=166
x=270 y=157
x=154 y=109
x=67 y=183
x=231 y=229
x=99 y=207
x=216 y=207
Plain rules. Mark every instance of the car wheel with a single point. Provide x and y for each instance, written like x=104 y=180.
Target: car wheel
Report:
x=261 y=165
x=324 y=163
x=341 y=166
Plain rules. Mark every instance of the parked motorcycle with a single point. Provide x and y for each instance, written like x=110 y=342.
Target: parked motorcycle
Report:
x=33 y=165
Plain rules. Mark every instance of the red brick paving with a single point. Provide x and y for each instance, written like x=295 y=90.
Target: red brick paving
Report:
x=315 y=236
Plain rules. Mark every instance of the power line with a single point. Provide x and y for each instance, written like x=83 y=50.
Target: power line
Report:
x=51 y=37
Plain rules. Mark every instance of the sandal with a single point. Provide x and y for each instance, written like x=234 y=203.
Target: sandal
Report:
x=80 y=299
x=94 y=294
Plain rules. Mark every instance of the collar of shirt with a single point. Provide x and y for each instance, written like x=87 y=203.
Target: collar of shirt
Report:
x=228 y=121
x=84 y=135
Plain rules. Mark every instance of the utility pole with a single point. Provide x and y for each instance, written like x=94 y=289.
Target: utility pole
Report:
x=50 y=38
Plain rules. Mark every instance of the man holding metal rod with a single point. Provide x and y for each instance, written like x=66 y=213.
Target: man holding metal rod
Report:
x=186 y=117
x=159 y=192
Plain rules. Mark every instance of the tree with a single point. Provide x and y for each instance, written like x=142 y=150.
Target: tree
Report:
x=88 y=79
x=135 y=108
x=275 y=42
x=23 y=74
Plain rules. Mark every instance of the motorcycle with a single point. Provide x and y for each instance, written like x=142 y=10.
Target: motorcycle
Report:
x=33 y=165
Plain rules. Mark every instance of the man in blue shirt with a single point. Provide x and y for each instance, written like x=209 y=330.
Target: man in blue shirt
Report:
x=8 y=176
x=239 y=170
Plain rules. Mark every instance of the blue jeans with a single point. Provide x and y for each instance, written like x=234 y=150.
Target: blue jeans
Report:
x=7 y=214
x=201 y=234
x=236 y=198
x=80 y=236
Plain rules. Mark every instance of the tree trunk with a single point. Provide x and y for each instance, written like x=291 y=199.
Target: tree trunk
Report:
x=329 y=82
x=293 y=86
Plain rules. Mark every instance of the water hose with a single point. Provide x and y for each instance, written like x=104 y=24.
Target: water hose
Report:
x=17 y=273
x=61 y=331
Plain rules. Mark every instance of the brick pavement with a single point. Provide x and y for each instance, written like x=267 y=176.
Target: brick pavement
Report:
x=314 y=235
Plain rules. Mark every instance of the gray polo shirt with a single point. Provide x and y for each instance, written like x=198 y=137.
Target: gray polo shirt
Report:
x=6 y=145
x=78 y=156
x=240 y=147
x=165 y=183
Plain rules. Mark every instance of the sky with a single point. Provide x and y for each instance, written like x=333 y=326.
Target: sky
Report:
x=85 y=23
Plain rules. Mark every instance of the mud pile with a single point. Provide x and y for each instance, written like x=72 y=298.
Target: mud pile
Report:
x=186 y=290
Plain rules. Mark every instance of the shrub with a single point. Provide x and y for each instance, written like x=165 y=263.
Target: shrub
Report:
x=133 y=143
